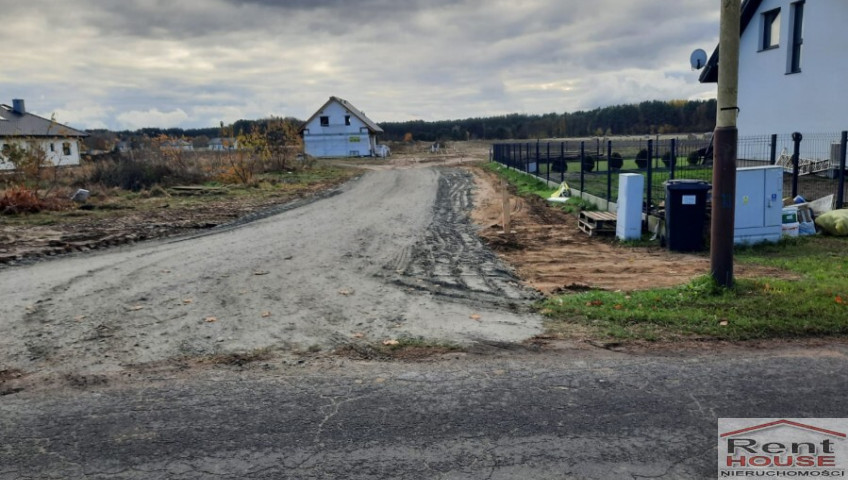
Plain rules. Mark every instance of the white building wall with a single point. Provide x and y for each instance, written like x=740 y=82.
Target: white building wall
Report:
x=53 y=149
x=772 y=101
x=337 y=139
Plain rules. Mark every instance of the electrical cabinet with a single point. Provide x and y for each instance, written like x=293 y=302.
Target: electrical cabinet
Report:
x=759 y=205
x=631 y=190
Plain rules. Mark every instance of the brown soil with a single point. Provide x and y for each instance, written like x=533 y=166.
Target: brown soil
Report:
x=101 y=224
x=552 y=255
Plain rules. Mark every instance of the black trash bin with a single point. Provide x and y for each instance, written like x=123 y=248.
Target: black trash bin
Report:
x=685 y=214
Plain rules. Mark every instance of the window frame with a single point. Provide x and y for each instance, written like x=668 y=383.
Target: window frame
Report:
x=66 y=149
x=769 y=20
x=796 y=43
x=325 y=120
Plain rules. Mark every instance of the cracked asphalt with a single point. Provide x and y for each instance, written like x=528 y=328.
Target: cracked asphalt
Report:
x=107 y=368
x=579 y=412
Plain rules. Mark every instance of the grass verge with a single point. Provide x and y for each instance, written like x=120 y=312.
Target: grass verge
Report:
x=815 y=303
x=529 y=185
x=524 y=184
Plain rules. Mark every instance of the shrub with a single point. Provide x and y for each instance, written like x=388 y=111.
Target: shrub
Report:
x=130 y=174
x=588 y=163
x=20 y=199
x=693 y=158
x=615 y=161
x=642 y=158
x=668 y=160
x=559 y=165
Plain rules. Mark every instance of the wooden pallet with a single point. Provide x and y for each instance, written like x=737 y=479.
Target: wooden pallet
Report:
x=593 y=223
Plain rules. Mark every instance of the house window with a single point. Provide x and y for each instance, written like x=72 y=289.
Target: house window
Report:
x=325 y=121
x=797 y=19
x=66 y=148
x=771 y=29
x=52 y=147
x=347 y=120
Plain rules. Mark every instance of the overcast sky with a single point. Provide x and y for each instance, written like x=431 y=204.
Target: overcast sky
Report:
x=126 y=64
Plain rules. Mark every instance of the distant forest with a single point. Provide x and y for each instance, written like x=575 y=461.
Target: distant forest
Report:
x=650 y=117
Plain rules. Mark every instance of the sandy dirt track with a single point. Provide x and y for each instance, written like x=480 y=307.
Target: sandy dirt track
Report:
x=392 y=255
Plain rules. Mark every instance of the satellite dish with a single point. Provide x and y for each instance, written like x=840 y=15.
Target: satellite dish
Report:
x=698 y=59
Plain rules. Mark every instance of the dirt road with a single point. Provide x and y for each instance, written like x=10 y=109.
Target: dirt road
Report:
x=393 y=255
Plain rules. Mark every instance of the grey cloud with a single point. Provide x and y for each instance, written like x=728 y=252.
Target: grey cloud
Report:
x=442 y=58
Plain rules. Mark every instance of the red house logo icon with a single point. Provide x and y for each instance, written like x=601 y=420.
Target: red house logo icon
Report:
x=787 y=445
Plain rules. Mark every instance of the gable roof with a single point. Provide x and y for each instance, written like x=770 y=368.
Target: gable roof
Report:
x=16 y=124
x=784 y=422
x=372 y=127
x=710 y=73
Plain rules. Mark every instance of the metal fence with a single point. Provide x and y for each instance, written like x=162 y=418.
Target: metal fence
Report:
x=811 y=163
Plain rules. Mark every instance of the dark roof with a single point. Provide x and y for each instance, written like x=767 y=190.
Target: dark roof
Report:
x=14 y=124
x=372 y=127
x=710 y=73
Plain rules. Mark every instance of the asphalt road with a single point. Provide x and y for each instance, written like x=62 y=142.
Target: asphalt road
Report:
x=575 y=413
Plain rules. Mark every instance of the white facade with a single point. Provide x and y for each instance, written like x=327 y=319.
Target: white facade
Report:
x=59 y=151
x=339 y=130
x=775 y=100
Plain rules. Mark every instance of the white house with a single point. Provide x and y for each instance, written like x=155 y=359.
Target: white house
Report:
x=219 y=144
x=791 y=68
x=338 y=129
x=61 y=144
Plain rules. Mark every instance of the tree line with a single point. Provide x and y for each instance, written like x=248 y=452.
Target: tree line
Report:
x=650 y=117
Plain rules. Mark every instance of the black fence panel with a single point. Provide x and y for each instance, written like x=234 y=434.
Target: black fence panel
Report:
x=813 y=165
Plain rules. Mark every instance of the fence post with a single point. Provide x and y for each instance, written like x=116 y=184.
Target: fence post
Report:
x=650 y=174
x=516 y=156
x=609 y=172
x=527 y=159
x=562 y=159
x=536 y=173
x=843 y=149
x=519 y=161
x=773 y=150
x=582 y=158
x=672 y=158
x=548 y=163
x=796 y=154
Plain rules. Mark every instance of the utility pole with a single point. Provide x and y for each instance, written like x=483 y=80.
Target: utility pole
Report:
x=724 y=146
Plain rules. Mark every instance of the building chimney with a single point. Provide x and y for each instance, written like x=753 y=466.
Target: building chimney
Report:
x=18 y=106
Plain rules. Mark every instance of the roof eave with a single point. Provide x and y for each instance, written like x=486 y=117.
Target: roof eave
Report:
x=710 y=73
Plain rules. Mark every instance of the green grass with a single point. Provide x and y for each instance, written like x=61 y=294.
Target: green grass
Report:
x=529 y=185
x=595 y=182
x=524 y=184
x=813 y=304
